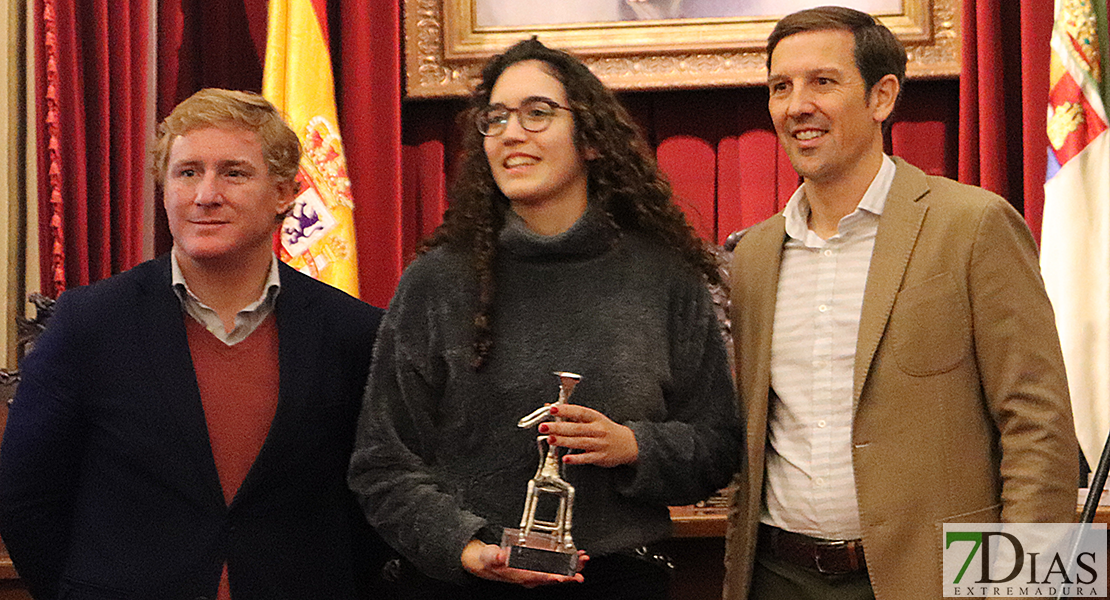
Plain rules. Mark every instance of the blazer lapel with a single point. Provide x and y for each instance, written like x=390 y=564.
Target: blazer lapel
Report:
x=299 y=342
x=899 y=225
x=172 y=369
x=760 y=275
x=770 y=244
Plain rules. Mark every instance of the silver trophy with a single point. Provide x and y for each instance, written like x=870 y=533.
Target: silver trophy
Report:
x=546 y=545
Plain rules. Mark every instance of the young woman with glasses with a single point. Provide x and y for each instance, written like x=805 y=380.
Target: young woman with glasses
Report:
x=561 y=250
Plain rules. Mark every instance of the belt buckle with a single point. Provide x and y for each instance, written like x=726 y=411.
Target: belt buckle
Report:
x=832 y=545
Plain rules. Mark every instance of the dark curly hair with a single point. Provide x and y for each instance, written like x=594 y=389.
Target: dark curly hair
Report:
x=624 y=180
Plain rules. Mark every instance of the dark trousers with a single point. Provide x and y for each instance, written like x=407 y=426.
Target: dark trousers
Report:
x=774 y=579
x=612 y=577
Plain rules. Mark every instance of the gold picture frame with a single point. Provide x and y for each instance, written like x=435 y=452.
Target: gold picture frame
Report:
x=445 y=48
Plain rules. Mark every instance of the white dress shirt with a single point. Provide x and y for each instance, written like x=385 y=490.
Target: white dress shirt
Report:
x=810 y=486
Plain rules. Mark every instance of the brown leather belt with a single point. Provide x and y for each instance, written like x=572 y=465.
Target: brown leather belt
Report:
x=828 y=557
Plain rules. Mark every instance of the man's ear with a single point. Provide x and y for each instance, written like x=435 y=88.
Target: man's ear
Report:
x=883 y=96
x=288 y=191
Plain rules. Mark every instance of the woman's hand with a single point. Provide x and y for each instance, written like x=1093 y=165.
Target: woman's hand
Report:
x=600 y=441
x=490 y=562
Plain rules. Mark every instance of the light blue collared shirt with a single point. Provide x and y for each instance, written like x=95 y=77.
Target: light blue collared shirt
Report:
x=246 y=320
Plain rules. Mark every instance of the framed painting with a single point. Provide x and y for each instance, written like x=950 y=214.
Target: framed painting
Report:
x=646 y=44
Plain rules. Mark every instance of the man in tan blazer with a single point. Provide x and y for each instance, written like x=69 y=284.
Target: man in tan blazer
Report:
x=896 y=353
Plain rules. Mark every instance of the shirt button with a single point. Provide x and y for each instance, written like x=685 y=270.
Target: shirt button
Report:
x=821 y=423
x=823 y=308
x=819 y=481
x=828 y=252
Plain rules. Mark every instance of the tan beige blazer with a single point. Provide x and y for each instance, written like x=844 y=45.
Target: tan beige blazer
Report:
x=961 y=402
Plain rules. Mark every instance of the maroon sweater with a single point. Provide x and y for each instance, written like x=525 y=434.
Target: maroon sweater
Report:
x=239 y=390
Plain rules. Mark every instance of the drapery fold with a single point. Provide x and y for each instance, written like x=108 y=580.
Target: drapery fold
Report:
x=370 y=117
x=1003 y=94
x=91 y=126
x=717 y=146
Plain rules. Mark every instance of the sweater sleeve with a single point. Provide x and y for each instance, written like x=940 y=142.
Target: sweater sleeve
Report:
x=392 y=470
x=694 y=452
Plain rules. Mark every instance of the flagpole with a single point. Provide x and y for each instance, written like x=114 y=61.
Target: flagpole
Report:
x=1098 y=484
x=1090 y=505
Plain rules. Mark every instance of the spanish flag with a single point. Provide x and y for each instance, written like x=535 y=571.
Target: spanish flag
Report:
x=318 y=236
x=1075 y=229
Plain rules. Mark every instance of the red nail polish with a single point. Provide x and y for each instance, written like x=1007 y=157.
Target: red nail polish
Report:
x=554 y=410
x=543 y=428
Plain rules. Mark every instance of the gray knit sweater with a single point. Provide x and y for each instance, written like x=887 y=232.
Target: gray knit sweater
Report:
x=438 y=454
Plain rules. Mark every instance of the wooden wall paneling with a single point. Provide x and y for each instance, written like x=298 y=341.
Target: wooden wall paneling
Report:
x=14 y=590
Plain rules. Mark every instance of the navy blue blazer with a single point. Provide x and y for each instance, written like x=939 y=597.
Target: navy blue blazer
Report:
x=108 y=488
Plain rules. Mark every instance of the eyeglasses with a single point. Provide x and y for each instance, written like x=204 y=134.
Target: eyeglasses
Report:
x=534 y=115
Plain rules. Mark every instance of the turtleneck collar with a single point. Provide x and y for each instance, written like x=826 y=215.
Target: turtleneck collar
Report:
x=592 y=234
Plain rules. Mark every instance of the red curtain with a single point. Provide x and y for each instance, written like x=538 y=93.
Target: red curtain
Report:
x=717 y=146
x=91 y=73
x=369 y=95
x=719 y=149
x=1003 y=100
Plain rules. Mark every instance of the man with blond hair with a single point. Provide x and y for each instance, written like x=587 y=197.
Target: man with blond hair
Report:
x=182 y=429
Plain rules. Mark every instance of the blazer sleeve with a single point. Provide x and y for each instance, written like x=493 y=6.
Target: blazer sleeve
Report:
x=42 y=452
x=1022 y=371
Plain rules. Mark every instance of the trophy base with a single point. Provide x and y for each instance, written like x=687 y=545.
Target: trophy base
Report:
x=539 y=552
